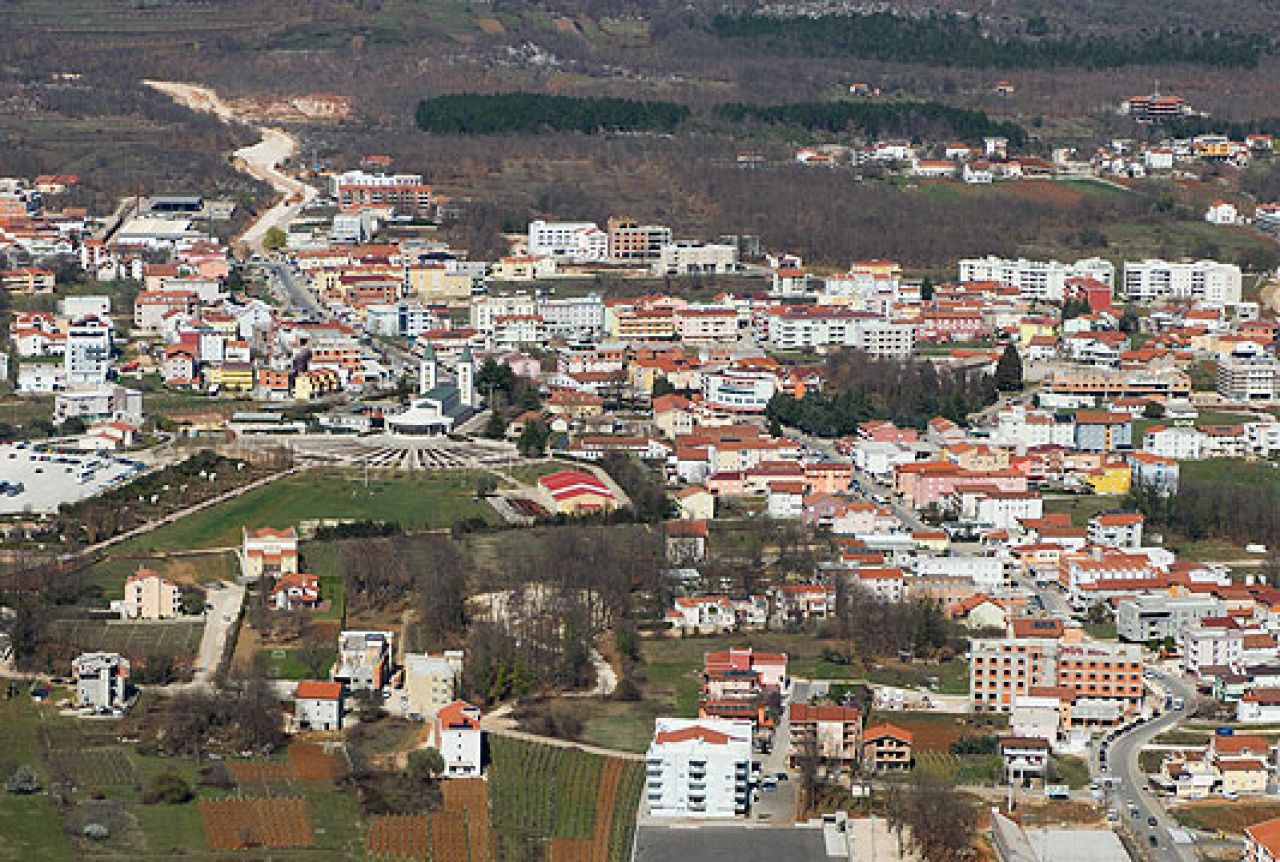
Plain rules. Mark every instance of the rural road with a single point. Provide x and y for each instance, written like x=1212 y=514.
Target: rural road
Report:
x=261 y=160
x=219 y=619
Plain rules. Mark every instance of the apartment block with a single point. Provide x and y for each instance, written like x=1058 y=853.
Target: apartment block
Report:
x=1104 y=679
x=1143 y=619
x=1036 y=279
x=1206 y=281
x=698 y=768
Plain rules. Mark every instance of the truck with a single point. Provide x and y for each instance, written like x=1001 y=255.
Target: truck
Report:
x=1178 y=703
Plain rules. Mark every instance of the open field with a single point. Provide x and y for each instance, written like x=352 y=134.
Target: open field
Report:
x=935 y=731
x=1227 y=817
x=414 y=502
x=109 y=574
x=582 y=803
x=179 y=640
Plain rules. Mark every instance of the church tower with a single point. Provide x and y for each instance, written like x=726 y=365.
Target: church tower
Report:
x=428 y=371
x=467 y=378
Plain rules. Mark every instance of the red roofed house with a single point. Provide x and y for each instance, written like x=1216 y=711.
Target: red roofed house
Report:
x=317 y=705
x=576 y=492
x=1262 y=841
x=886 y=748
x=831 y=733
x=698 y=768
x=269 y=552
x=297 y=589
x=456 y=735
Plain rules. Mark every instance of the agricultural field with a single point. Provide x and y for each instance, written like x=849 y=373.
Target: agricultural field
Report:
x=935 y=731
x=178 y=640
x=239 y=824
x=460 y=830
x=1230 y=818
x=968 y=769
x=415 y=502
x=582 y=804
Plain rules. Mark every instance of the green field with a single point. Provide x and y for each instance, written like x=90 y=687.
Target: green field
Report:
x=539 y=792
x=1081 y=507
x=414 y=502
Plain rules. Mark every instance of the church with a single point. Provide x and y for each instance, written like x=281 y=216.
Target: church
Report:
x=441 y=405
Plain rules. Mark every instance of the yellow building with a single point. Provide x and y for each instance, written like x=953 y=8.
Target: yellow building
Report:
x=230 y=377
x=1110 y=479
x=435 y=284
x=316 y=384
x=1032 y=328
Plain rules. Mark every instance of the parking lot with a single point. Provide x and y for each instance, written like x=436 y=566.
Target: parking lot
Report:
x=39 y=480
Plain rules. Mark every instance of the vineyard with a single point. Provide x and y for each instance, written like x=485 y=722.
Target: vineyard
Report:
x=238 y=824
x=306 y=762
x=459 y=832
x=86 y=760
x=583 y=805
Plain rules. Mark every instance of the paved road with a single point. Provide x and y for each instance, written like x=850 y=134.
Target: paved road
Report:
x=295 y=291
x=226 y=603
x=1132 y=791
x=869 y=486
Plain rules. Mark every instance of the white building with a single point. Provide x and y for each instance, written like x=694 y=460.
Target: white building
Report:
x=317 y=705
x=457 y=736
x=1222 y=212
x=1247 y=378
x=1210 y=647
x=987 y=573
x=693 y=258
x=1116 y=529
x=103 y=402
x=269 y=552
x=739 y=390
x=1180 y=442
x=88 y=354
x=147 y=596
x=699 y=768
x=1036 y=279
x=487 y=310
x=568 y=241
x=101 y=678
x=1260 y=706
x=577 y=318
x=430 y=683
x=1206 y=281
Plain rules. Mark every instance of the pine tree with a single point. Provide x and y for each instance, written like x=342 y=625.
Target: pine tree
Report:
x=1009 y=371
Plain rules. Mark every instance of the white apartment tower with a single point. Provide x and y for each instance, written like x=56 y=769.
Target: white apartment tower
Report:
x=699 y=768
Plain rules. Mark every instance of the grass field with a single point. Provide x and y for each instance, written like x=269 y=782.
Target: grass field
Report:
x=177 y=639
x=1227 y=817
x=1081 y=507
x=109 y=574
x=415 y=502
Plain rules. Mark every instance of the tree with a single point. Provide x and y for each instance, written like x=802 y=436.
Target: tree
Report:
x=315 y=654
x=274 y=239
x=167 y=788
x=425 y=764
x=1153 y=410
x=533 y=439
x=495 y=427
x=1009 y=370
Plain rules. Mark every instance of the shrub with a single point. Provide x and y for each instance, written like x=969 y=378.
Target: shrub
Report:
x=168 y=788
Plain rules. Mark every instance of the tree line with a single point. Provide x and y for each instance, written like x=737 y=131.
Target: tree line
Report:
x=502 y=113
x=1244 y=508
x=878 y=119
x=860 y=387
x=953 y=40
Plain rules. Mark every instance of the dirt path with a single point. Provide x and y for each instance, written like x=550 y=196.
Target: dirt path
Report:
x=261 y=160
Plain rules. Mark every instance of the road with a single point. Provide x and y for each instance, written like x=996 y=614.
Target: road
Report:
x=869 y=486
x=1132 y=791
x=295 y=291
x=261 y=160
x=226 y=602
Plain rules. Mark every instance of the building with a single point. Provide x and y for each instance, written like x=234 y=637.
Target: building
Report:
x=1248 y=378
x=1205 y=281
x=575 y=492
x=1143 y=619
x=567 y=241
x=1036 y=279
x=441 y=404
x=696 y=258
x=147 y=596
x=430 y=683
x=295 y=590
x=1024 y=759
x=1260 y=706
x=269 y=552
x=107 y=402
x=1262 y=841
x=1116 y=529
x=102 y=680
x=698 y=768
x=1105 y=680
x=364 y=660
x=457 y=736
x=833 y=734
x=404 y=194
x=87 y=359
x=631 y=242
x=886 y=748
x=317 y=705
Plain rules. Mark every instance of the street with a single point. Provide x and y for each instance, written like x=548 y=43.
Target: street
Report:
x=224 y=610
x=1130 y=790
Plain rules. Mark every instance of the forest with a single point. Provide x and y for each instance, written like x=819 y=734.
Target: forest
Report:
x=501 y=113
x=878 y=119
x=1242 y=504
x=861 y=386
x=952 y=40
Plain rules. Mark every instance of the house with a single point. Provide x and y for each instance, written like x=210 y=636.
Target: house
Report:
x=698 y=768
x=1262 y=841
x=833 y=734
x=298 y=589
x=364 y=660
x=457 y=736
x=575 y=492
x=696 y=503
x=702 y=614
x=102 y=680
x=147 y=596
x=430 y=683
x=1222 y=212
x=686 y=542
x=317 y=705
x=1116 y=529
x=980 y=611
x=886 y=748
x=1260 y=706
x=269 y=552
x=1024 y=759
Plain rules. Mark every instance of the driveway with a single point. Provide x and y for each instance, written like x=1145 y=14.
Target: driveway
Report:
x=226 y=602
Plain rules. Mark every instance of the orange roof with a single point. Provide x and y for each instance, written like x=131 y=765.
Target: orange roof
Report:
x=314 y=689
x=458 y=714
x=1266 y=834
x=806 y=712
x=687 y=734
x=887 y=731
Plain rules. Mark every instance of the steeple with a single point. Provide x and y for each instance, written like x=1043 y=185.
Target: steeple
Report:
x=428 y=371
x=467 y=377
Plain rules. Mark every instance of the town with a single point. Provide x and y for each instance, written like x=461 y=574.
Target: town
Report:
x=324 y=534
